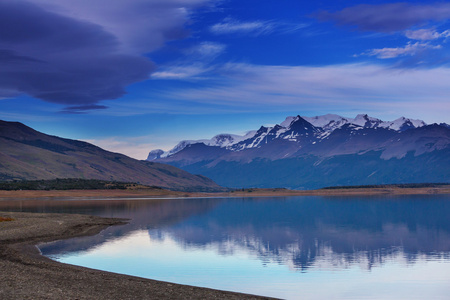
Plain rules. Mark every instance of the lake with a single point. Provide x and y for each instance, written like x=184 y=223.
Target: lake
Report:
x=390 y=247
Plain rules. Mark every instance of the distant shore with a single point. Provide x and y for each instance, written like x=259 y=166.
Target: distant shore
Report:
x=161 y=193
x=28 y=275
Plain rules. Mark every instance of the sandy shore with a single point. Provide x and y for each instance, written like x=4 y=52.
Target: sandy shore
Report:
x=25 y=274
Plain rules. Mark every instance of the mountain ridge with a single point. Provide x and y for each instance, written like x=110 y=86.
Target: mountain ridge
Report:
x=27 y=154
x=327 y=123
x=410 y=151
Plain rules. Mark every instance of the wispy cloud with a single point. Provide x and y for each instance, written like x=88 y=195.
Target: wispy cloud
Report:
x=410 y=49
x=426 y=34
x=206 y=50
x=198 y=61
x=352 y=87
x=231 y=26
x=388 y=17
x=80 y=109
x=425 y=37
x=183 y=71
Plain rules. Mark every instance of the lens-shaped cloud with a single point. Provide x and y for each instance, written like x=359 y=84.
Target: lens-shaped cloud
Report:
x=78 y=53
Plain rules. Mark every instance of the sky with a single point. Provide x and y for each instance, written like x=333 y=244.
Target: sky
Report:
x=136 y=75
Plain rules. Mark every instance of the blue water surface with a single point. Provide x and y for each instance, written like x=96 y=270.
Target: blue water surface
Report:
x=390 y=247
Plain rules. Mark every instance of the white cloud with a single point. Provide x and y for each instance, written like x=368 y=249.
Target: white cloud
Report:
x=231 y=26
x=198 y=61
x=187 y=71
x=206 y=50
x=422 y=34
x=409 y=49
x=426 y=34
x=417 y=93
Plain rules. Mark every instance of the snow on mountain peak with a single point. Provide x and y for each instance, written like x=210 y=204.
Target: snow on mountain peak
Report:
x=293 y=129
x=180 y=146
x=321 y=121
x=328 y=122
x=288 y=121
x=365 y=121
x=223 y=140
x=155 y=154
x=402 y=124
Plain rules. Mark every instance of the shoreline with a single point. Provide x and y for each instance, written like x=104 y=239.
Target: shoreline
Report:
x=26 y=274
x=161 y=194
x=29 y=275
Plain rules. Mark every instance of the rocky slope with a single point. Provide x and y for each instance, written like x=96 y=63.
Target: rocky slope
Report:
x=26 y=154
x=320 y=151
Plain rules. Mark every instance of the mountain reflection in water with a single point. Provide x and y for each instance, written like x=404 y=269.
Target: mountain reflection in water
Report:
x=299 y=233
x=296 y=229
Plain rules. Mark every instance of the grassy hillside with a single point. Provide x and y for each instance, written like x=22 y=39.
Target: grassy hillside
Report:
x=26 y=154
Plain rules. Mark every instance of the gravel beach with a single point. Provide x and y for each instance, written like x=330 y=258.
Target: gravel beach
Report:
x=25 y=274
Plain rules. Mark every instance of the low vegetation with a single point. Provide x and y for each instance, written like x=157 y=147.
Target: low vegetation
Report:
x=6 y=219
x=70 y=184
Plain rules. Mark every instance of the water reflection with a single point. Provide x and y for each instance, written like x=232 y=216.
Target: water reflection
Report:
x=301 y=234
x=295 y=230
x=298 y=231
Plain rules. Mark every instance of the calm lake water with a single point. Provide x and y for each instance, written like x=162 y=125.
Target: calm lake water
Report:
x=294 y=248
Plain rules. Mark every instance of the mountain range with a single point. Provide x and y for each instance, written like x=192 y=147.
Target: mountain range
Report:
x=314 y=152
x=26 y=154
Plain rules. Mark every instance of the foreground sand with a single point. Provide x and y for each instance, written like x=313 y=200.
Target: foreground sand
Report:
x=25 y=274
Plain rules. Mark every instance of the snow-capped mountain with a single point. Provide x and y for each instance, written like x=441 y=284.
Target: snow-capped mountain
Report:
x=327 y=122
x=312 y=152
x=224 y=140
x=291 y=129
x=331 y=122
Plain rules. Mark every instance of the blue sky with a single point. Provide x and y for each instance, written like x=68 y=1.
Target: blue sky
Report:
x=131 y=76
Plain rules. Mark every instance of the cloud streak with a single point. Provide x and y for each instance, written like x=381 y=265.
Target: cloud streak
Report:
x=409 y=50
x=426 y=34
x=255 y=28
x=78 y=53
x=387 y=17
x=229 y=26
x=360 y=87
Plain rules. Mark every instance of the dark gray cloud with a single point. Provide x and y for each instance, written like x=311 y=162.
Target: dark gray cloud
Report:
x=62 y=60
x=58 y=52
x=387 y=17
x=81 y=109
x=140 y=26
